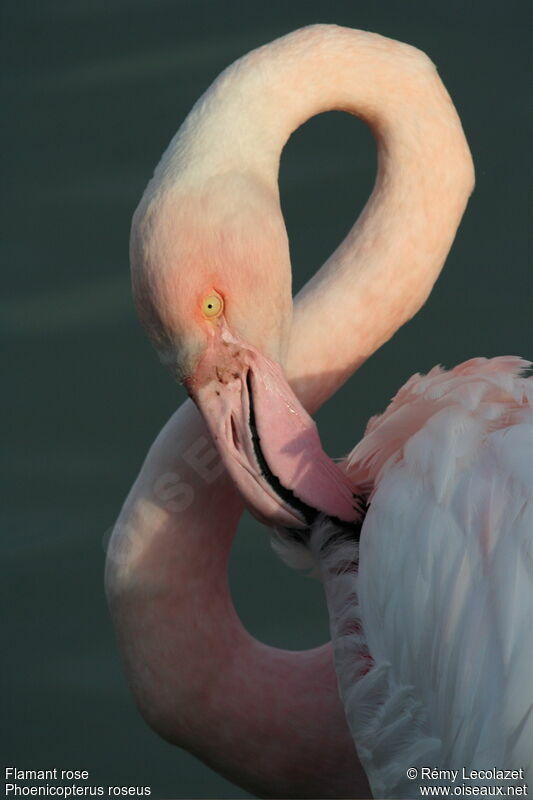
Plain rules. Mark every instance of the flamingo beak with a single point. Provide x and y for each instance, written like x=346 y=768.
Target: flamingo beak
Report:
x=268 y=442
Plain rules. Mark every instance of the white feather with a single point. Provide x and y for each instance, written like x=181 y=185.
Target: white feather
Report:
x=433 y=635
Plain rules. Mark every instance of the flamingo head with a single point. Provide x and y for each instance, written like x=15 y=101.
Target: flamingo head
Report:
x=212 y=283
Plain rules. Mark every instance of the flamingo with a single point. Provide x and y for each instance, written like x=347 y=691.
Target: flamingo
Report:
x=421 y=537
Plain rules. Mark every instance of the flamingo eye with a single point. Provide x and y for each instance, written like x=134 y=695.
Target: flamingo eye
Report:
x=212 y=306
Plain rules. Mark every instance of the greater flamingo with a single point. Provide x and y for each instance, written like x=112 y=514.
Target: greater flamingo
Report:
x=432 y=635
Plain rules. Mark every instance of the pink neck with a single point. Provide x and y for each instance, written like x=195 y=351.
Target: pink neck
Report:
x=383 y=271
x=268 y=719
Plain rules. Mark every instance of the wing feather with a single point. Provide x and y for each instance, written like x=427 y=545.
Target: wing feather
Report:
x=441 y=673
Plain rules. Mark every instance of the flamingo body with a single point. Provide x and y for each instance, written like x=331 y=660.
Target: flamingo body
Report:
x=432 y=634
x=431 y=621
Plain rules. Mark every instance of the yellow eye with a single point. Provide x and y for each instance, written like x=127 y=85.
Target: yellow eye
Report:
x=212 y=306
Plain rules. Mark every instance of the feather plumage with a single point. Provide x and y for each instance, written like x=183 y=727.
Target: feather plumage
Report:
x=433 y=633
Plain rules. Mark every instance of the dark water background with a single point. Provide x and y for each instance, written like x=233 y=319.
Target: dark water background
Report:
x=92 y=91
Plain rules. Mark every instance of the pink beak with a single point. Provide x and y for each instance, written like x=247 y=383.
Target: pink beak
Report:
x=268 y=442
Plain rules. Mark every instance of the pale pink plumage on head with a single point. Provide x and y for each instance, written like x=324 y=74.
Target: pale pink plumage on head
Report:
x=422 y=537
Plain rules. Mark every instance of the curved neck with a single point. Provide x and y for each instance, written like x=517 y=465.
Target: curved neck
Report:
x=268 y=719
x=383 y=271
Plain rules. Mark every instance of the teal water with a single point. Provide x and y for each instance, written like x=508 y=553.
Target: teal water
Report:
x=91 y=93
